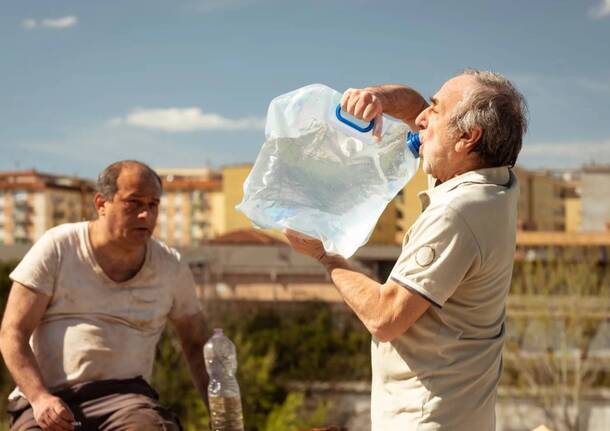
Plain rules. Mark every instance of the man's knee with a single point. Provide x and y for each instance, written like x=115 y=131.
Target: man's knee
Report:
x=147 y=419
x=24 y=422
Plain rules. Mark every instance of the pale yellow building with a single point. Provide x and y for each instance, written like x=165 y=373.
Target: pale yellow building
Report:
x=188 y=206
x=233 y=178
x=573 y=212
x=408 y=203
x=32 y=202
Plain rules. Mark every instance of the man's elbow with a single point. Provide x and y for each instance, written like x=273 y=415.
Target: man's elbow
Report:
x=10 y=337
x=6 y=336
x=385 y=332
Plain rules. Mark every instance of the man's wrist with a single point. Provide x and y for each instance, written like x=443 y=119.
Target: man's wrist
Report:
x=379 y=93
x=330 y=261
x=38 y=395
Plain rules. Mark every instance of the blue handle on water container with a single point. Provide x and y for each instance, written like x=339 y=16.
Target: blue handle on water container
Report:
x=352 y=124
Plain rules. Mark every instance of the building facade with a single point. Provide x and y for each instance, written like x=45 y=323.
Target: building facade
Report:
x=188 y=205
x=596 y=198
x=32 y=202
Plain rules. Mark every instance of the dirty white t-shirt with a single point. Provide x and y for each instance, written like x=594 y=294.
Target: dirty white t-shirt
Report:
x=95 y=328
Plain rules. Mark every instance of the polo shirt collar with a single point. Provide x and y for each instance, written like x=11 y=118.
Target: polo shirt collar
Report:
x=498 y=176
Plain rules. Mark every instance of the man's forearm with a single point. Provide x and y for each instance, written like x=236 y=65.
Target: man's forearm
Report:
x=194 y=357
x=361 y=293
x=400 y=102
x=387 y=310
x=22 y=365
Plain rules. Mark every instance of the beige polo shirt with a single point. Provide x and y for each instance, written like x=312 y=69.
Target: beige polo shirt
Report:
x=95 y=328
x=442 y=373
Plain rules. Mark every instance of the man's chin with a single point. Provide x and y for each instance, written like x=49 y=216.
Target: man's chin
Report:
x=426 y=167
x=141 y=235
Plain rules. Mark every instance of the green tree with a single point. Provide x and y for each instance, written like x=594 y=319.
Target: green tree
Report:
x=558 y=309
x=290 y=415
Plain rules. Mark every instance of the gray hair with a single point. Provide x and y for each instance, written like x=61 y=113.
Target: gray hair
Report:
x=106 y=184
x=500 y=110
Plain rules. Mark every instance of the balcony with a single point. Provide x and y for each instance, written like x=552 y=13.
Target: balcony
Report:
x=21 y=218
x=22 y=204
x=200 y=218
x=20 y=232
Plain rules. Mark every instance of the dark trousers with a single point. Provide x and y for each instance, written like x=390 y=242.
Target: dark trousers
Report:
x=107 y=405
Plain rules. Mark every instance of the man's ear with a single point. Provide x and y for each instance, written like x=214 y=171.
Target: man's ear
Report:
x=99 y=203
x=469 y=140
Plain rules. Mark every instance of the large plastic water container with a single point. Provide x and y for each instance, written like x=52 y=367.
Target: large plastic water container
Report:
x=320 y=172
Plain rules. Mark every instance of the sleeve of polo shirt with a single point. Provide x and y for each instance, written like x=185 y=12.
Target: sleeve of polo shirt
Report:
x=437 y=256
x=186 y=303
x=38 y=268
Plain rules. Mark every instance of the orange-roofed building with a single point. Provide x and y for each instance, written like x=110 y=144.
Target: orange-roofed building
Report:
x=191 y=201
x=32 y=202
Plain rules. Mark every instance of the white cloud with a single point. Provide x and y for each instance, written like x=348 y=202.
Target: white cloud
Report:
x=602 y=10
x=63 y=22
x=185 y=120
x=28 y=23
x=53 y=23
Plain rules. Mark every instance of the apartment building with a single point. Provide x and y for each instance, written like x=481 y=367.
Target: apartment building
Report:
x=191 y=200
x=596 y=198
x=541 y=201
x=32 y=202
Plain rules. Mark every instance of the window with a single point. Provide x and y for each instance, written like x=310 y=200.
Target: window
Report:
x=178 y=200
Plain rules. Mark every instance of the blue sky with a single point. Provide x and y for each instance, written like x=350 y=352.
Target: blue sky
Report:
x=187 y=83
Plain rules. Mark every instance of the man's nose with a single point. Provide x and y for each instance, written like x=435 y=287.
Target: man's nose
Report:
x=145 y=213
x=422 y=119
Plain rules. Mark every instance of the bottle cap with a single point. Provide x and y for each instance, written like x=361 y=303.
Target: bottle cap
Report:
x=218 y=331
x=413 y=143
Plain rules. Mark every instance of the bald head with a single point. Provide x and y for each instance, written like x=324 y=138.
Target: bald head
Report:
x=107 y=181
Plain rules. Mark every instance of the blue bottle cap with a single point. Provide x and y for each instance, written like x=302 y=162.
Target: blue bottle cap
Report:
x=413 y=143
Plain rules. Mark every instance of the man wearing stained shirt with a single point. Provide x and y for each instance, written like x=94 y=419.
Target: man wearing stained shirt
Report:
x=438 y=321
x=88 y=304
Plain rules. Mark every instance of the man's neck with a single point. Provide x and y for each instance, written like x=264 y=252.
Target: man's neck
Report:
x=472 y=165
x=119 y=261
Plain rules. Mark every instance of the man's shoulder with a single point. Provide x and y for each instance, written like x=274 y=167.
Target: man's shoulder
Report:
x=65 y=232
x=470 y=199
x=164 y=252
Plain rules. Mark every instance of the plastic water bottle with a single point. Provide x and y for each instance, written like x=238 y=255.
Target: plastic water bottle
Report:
x=321 y=172
x=223 y=390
